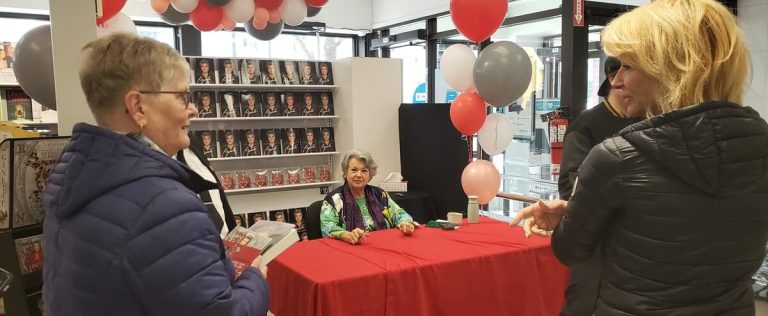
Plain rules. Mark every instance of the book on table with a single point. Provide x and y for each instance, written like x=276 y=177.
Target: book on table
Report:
x=265 y=238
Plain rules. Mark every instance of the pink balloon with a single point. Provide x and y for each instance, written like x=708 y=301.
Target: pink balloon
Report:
x=481 y=178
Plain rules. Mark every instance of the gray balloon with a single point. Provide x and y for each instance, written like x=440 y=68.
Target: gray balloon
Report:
x=502 y=73
x=174 y=17
x=33 y=65
x=312 y=11
x=217 y=3
x=268 y=33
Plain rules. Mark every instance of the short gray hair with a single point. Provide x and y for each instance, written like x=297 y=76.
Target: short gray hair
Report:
x=365 y=158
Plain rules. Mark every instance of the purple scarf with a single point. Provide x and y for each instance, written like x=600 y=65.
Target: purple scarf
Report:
x=352 y=215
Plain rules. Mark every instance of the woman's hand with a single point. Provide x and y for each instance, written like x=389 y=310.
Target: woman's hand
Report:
x=354 y=237
x=406 y=228
x=256 y=263
x=541 y=218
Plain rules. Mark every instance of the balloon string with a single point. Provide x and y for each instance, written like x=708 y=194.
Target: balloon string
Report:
x=469 y=149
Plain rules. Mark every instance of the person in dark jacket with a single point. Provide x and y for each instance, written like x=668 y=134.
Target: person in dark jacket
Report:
x=674 y=204
x=125 y=232
x=590 y=128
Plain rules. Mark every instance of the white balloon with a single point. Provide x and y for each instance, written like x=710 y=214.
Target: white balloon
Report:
x=184 y=6
x=118 y=23
x=293 y=12
x=496 y=133
x=457 y=64
x=240 y=11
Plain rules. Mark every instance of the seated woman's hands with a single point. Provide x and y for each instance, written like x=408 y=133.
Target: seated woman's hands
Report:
x=541 y=218
x=354 y=237
x=406 y=228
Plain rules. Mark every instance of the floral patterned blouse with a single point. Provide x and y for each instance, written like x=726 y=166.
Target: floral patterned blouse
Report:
x=330 y=221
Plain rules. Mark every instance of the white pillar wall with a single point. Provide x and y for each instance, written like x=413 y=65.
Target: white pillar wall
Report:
x=73 y=24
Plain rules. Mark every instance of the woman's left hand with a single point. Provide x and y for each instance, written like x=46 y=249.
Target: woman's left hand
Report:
x=406 y=228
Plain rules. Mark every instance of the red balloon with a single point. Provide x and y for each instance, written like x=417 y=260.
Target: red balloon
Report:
x=468 y=113
x=206 y=17
x=268 y=4
x=316 y=3
x=109 y=9
x=478 y=19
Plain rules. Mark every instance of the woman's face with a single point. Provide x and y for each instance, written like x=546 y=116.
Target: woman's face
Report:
x=207 y=140
x=358 y=174
x=251 y=101
x=639 y=90
x=326 y=136
x=251 y=139
x=206 y=101
x=167 y=118
x=230 y=139
x=292 y=137
x=324 y=70
x=271 y=138
x=307 y=70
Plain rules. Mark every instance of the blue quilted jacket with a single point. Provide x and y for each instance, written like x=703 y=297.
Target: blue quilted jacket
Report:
x=125 y=234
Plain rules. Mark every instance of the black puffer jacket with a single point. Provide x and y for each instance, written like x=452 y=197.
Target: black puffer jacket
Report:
x=679 y=206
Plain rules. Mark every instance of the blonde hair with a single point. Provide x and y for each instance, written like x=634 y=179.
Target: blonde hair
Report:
x=693 y=48
x=113 y=65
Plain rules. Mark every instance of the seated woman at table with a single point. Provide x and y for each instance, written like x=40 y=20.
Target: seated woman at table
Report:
x=355 y=208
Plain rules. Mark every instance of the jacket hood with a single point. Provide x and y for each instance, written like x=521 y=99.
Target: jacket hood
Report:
x=720 y=148
x=98 y=160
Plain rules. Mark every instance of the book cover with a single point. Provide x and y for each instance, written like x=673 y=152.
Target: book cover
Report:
x=288 y=71
x=229 y=144
x=290 y=106
x=229 y=71
x=297 y=218
x=308 y=142
x=308 y=105
x=271 y=105
x=19 y=105
x=290 y=141
x=270 y=142
x=327 y=142
x=309 y=173
x=269 y=72
x=324 y=173
x=206 y=107
x=240 y=220
x=243 y=246
x=227 y=180
x=208 y=143
x=254 y=217
x=251 y=143
x=308 y=72
x=276 y=177
x=281 y=235
x=326 y=104
x=293 y=175
x=6 y=63
x=29 y=251
x=250 y=104
x=278 y=216
x=326 y=73
x=32 y=162
x=261 y=178
x=243 y=179
x=204 y=70
x=229 y=103
x=250 y=71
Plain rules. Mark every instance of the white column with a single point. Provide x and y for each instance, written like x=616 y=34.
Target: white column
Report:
x=73 y=24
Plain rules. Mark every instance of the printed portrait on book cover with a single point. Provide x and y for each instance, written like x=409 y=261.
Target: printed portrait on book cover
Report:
x=251 y=106
x=204 y=71
x=239 y=220
x=269 y=72
x=251 y=144
x=278 y=216
x=243 y=179
x=324 y=173
x=289 y=71
x=326 y=140
x=308 y=142
x=290 y=107
x=309 y=173
x=250 y=71
x=206 y=108
x=229 y=103
x=229 y=144
x=276 y=177
x=29 y=251
x=228 y=71
x=208 y=143
x=308 y=73
x=308 y=106
x=326 y=74
x=293 y=175
x=290 y=142
x=261 y=178
x=227 y=180
x=255 y=217
x=297 y=216
x=326 y=104
x=270 y=141
x=271 y=105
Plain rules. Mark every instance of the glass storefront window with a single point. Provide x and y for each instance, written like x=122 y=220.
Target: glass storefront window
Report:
x=285 y=46
x=414 y=72
x=163 y=34
x=13 y=29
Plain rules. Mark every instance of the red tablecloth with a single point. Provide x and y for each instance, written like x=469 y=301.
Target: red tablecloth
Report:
x=479 y=269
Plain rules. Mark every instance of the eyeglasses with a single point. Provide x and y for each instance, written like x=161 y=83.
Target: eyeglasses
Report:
x=183 y=95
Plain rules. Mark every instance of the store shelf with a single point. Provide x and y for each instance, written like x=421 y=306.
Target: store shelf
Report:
x=273 y=118
x=9 y=85
x=272 y=156
x=262 y=87
x=282 y=187
x=39 y=123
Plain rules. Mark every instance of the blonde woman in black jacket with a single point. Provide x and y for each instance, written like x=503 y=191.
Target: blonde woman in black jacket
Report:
x=675 y=204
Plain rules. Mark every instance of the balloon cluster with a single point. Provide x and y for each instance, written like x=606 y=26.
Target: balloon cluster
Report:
x=262 y=19
x=498 y=76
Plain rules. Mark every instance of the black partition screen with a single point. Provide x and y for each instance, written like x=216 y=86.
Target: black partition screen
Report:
x=433 y=155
